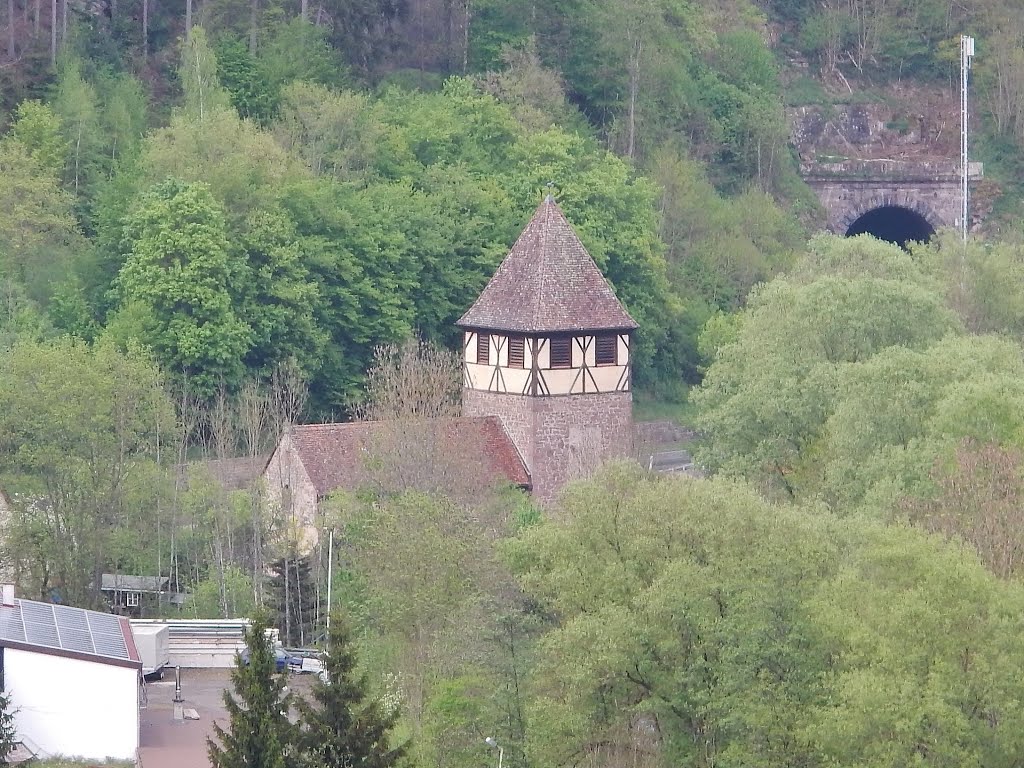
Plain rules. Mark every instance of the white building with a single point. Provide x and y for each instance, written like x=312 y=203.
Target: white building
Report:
x=73 y=678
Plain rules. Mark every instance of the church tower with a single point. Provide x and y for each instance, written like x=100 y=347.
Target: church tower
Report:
x=547 y=349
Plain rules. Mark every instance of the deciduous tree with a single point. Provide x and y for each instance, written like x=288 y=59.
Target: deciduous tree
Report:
x=176 y=277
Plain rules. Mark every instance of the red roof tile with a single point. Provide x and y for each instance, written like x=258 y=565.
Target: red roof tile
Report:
x=333 y=455
x=548 y=283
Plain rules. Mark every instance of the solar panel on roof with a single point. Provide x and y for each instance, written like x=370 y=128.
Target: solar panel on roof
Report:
x=64 y=628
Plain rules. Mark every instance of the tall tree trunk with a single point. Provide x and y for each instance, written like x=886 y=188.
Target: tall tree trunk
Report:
x=145 y=30
x=188 y=20
x=465 y=36
x=254 y=19
x=36 y=17
x=634 y=89
x=53 y=32
x=113 y=10
x=304 y=10
x=10 y=29
x=64 y=23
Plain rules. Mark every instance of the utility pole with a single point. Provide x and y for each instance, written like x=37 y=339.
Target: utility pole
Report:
x=966 y=54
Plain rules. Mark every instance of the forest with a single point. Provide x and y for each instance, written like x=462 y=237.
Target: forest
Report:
x=219 y=217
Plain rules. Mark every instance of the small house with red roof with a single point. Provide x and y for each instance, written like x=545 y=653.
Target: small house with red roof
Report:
x=312 y=461
x=73 y=677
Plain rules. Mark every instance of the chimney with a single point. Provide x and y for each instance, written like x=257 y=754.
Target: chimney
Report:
x=7 y=594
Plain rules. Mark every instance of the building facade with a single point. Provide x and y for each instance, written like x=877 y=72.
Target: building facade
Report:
x=547 y=349
x=73 y=677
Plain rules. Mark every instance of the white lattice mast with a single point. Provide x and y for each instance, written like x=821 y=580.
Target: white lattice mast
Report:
x=966 y=53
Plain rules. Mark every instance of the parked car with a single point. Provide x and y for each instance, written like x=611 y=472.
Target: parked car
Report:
x=283 y=661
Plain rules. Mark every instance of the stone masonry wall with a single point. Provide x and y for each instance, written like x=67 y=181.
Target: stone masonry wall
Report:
x=561 y=438
x=291 y=496
x=515 y=412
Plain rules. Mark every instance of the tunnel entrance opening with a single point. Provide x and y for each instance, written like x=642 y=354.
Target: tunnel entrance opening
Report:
x=893 y=223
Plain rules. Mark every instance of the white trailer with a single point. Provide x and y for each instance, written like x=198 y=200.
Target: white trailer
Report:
x=154 y=646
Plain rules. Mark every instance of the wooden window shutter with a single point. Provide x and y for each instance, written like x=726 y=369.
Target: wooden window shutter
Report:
x=561 y=352
x=516 y=352
x=606 y=349
x=483 y=348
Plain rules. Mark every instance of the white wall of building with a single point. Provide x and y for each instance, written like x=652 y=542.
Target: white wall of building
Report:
x=73 y=707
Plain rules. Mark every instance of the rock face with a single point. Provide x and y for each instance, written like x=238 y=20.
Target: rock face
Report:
x=899 y=152
x=899 y=126
x=94 y=8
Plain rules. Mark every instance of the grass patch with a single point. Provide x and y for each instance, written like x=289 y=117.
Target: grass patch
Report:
x=646 y=407
x=805 y=91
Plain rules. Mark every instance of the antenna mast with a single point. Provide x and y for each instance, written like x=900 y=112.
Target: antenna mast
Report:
x=966 y=53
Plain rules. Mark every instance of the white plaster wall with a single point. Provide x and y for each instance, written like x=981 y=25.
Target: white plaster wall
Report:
x=72 y=707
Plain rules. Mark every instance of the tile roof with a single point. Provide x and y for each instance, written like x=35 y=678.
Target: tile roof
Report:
x=548 y=283
x=236 y=474
x=333 y=454
x=61 y=630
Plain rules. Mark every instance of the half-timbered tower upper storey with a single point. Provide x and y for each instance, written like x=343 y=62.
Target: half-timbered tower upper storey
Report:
x=547 y=350
x=548 y=323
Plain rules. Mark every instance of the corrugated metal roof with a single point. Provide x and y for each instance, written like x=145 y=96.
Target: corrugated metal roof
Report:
x=67 y=631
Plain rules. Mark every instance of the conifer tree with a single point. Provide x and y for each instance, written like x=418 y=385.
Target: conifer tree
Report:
x=343 y=727
x=8 y=733
x=259 y=734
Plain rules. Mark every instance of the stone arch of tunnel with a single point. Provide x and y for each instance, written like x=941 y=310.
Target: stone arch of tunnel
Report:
x=895 y=221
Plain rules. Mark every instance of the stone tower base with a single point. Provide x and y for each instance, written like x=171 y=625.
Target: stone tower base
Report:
x=561 y=437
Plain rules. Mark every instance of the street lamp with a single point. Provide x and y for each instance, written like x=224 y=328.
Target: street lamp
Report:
x=489 y=741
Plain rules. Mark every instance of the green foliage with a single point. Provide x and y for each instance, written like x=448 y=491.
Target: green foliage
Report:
x=37 y=228
x=343 y=725
x=8 y=732
x=77 y=105
x=252 y=94
x=258 y=734
x=754 y=634
x=276 y=296
x=294 y=592
x=298 y=51
x=767 y=395
x=204 y=95
x=37 y=126
x=79 y=429
x=224 y=595
x=176 y=278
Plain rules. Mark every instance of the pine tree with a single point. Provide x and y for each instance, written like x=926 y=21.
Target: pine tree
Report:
x=259 y=734
x=8 y=733
x=342 y=727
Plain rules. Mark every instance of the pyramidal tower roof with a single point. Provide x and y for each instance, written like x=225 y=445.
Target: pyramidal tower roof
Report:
x=548 y=283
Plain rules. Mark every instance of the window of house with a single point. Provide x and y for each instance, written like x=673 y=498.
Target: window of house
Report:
x=516 y=352
x=606 y=349
x=483 y=348
x=132 y=599
x=561 y=353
